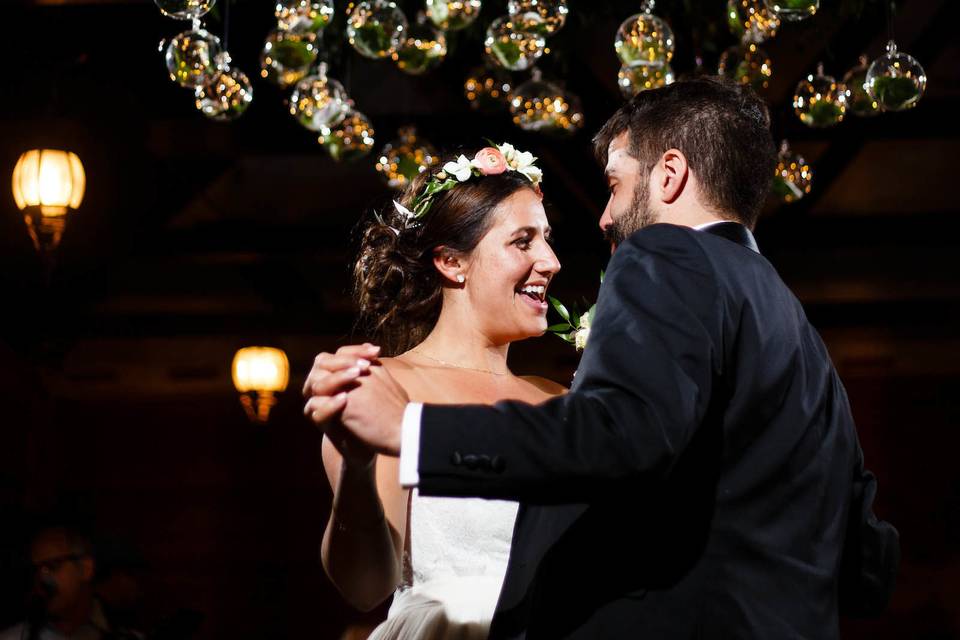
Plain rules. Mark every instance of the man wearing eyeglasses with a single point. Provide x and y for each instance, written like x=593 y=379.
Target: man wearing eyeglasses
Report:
x=62 y=604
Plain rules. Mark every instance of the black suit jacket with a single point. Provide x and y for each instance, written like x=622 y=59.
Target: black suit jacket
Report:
x=701 y=478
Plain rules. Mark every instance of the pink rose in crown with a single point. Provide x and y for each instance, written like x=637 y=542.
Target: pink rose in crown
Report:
x=490 y=161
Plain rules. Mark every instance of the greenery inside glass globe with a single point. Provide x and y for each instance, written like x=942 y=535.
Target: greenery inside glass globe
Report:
x=405 y=158
x=859 y=101
x=318 y=101
x=747 y=64
x=287 y=57
x=190 y=58
x=226 y=97
x=349 y=140
x=543 y=17
x=792 y=10
x=793 y=177
x=453 y=15
x=375 y=28
x=751 y=21
x=820 y=101
x=644 y=39
x=896 y=80
x=303 y=16
x=423 y=49
x=513 y=49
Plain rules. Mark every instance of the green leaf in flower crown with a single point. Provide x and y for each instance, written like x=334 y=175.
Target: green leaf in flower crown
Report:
x=562 y=310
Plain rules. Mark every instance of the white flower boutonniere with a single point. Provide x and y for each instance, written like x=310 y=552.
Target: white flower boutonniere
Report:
x=575 y=328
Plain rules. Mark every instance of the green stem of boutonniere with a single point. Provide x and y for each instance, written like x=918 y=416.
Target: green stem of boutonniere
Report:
x=575 y=328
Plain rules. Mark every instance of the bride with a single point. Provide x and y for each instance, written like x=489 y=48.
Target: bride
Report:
x=455 y=274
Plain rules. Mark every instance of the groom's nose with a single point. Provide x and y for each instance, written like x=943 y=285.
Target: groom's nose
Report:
x=606 y=219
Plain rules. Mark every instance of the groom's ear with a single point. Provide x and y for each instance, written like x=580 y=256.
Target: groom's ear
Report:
x=673 y=174
x=448 y=263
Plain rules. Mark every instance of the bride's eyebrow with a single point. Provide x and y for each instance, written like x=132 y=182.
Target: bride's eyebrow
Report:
x=547 y=231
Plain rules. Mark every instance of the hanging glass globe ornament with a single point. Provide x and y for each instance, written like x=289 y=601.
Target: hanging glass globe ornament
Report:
x=513 y=49
x=185 y=9
x=318 y=101
x=423 y=48
x=747 y=64
x=348 y=140
x=303 y=16
x=792 y=10
x=543 y=107
x=750 y=21
x=453 y=15
x=644 y=39
x=896 y=80
x=859 y=102
x=287 y=56
x=488 y=89
x=543 y=17
x=376 y=27
x=227 y=96
x=792 y=178
x=633 y=80
x=820 y=101
x=191 y=56
x=403 y=159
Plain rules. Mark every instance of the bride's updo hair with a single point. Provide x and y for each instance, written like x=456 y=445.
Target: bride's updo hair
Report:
x=396 y=285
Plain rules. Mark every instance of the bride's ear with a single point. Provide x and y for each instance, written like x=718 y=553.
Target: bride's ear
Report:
x=449 y=264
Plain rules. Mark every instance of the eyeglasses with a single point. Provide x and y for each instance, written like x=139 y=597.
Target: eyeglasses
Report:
x=52 y=565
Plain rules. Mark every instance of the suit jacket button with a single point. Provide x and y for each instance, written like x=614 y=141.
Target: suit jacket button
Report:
x=498 y=464
x=456 y=459
x=470 y=461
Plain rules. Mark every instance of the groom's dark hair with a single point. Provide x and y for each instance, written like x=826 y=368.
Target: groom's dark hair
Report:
x=723 y=129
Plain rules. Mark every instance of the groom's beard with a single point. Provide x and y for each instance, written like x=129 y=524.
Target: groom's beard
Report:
x=636 y=217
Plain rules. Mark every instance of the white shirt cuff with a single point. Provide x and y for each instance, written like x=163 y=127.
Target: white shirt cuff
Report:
x=410 y=445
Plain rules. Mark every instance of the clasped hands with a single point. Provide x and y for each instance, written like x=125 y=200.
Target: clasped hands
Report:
x=356 y=402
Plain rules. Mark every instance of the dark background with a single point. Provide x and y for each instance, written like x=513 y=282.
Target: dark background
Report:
x=196 y=238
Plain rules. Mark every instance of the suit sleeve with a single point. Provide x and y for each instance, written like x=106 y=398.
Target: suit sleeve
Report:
x=642 y=390
x=871 y=552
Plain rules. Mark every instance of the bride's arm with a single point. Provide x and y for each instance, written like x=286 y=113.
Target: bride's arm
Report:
x=362 y=547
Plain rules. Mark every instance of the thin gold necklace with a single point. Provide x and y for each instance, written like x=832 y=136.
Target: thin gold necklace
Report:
x=458 y=366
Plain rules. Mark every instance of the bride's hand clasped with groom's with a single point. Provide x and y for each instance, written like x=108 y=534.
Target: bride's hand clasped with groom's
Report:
x=351 y=389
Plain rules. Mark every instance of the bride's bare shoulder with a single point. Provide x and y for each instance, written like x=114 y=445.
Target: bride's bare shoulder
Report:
x=546 y=385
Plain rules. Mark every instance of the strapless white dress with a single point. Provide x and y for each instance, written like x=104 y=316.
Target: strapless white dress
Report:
x=458 y=557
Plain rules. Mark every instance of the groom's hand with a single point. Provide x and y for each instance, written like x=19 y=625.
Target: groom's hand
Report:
x=374 y=411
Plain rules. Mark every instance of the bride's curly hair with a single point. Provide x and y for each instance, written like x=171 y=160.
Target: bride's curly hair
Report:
x=396 y=286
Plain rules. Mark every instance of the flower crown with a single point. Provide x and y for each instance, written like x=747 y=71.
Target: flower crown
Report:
x=489 y=161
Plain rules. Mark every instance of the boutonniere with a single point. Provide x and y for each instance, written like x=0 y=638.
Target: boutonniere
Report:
x=575 y=328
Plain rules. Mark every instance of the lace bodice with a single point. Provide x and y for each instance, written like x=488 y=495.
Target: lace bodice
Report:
x=459 y=537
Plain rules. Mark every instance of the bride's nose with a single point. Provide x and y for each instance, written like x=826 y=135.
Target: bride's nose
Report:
x=547 y=262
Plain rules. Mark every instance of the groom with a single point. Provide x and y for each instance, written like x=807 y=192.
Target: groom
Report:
x=703 y=477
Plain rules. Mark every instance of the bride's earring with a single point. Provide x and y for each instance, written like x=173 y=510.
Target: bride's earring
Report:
x=461 y=278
